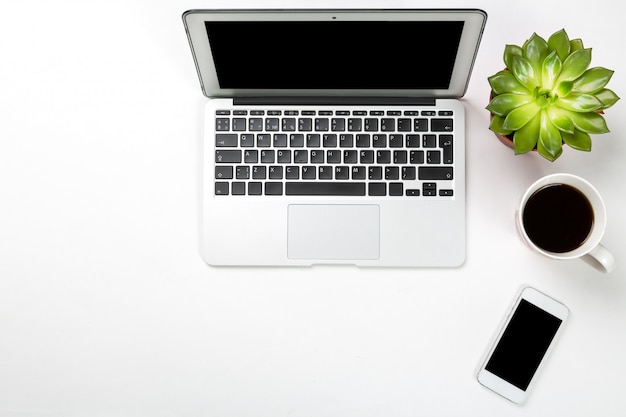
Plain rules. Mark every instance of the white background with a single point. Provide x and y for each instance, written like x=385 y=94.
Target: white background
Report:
x=106 y=308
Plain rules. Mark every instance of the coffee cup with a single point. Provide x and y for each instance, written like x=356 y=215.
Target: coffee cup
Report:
x=562 y=216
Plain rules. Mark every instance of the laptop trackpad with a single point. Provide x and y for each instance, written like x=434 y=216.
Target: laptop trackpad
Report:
x=326 y=231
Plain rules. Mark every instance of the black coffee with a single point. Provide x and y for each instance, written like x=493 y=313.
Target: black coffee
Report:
x=558 y=218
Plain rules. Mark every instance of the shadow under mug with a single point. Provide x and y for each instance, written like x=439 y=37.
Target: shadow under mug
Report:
x=552 y=220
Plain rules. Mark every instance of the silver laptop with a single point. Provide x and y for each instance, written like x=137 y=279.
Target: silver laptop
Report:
x=334 y=136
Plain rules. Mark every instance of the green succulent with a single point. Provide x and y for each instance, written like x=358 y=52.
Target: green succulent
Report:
x=548 y=96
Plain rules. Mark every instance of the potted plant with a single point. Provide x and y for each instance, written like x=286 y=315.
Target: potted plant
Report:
x=548 y=96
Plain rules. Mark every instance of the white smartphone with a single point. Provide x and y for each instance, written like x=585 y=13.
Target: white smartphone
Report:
x=522 y=344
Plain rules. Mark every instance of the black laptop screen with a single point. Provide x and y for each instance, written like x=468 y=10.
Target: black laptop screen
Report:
x=334 y=55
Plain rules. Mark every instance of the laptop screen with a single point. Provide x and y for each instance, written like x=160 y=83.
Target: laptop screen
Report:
x=334 y=53
x=415 y=55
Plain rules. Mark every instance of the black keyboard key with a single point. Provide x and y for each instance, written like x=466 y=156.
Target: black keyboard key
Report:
x=379 y=141
x=246 y=140
x=366 y=157
x=288 y=124
x=392 y=173
x=223 y=172
x=272 y=124
x=338 y=124
x=388 y=125
x=255 y=188
x=329 y=140
x=377 y=189
x=276 y=173
x=255 y=124
x=359 y=173
x=375 y=173
x=238 y=188
x=321 y=124
x=292 y=173
x=239 y=124
x=346 y=140
x=396 y=189
x=429 y=189
x=446 y=143
x=226 y=140
x=259 y=172
x=396 y=141
x=325 y=188
x=280 y=140
x=296 y=140
x=243 y=172
x=350 y=157
x=441 y=125
x=342 y=172
x=300 y=156
x=408 y=173
x=429 y=141
x=227 y=157
x=363 y=140
x=371 y=125
x=273 y=188
x=412 y=141
x=221 y=188
x=305 y=124
x=416 y=157
x=313 y=140
x=333 y=157
x=433 y=157
x=222 y=124
x=420 y=125
x=263 y=140
x=325 y=172
x=355 y=125
x=404 y=125
x=435 y=173
x=413 y=193
x=308 y=173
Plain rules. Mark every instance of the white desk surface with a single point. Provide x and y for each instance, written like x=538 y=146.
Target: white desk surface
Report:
x=107 y=309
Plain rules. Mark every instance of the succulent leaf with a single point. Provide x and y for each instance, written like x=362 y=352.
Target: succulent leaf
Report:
x=521 y=115
x=525 y=139
x=550 y=70
x=564 y=88
x=504 y=103
x=578 y=140
x=509 y=52
x=576 y=45
x=559 y=42
x=589 y=122
x=579 y=102
x=523 y=70
x=536 y=50
x=607 y=97
x=574 y=65
x=592 y=80
x=561 y=120
x=550 y=140
x=496 y=126
x=505 y=82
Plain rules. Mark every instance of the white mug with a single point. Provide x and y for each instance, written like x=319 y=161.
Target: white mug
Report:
x=548 y=233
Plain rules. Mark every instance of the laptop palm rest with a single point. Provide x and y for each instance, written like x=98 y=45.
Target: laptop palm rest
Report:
x=333 y=232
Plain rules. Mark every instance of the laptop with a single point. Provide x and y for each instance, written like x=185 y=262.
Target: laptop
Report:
x=334 y=136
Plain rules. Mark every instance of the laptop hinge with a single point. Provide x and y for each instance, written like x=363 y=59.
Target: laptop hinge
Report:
x=337 y=101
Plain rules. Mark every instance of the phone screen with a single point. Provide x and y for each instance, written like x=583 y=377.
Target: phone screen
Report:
x=523 y=344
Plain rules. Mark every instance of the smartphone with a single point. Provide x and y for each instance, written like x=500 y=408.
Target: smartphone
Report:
x=522 y=344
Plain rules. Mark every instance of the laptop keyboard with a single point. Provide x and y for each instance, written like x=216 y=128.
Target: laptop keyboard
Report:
x=399 y=153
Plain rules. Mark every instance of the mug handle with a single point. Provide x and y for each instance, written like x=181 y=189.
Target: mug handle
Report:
x=600 y=258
